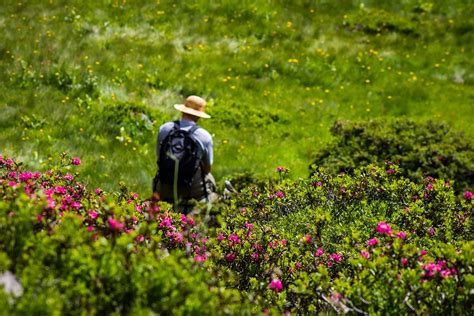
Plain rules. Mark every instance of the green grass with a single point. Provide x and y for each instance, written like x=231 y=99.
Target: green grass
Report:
x=277 y=76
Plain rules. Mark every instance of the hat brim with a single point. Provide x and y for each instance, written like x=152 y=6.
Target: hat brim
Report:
x=185 y=109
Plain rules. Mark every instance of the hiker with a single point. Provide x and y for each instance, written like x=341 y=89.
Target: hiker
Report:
x=186 y=150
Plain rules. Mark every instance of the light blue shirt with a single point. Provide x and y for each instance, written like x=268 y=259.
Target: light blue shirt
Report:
x=201 y=135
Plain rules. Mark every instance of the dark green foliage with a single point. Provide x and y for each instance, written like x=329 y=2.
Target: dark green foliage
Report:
x=313 y=235
x=125 y=121
x=420 y=149
x=343 y=243
x=70 y=262
x=377 y=21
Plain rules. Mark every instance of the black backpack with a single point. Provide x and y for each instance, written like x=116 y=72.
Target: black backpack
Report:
x=180 y=154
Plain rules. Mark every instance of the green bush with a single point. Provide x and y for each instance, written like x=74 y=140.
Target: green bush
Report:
x=420 y=149
x=315 y=235
x=368 y=242
x=81 y=252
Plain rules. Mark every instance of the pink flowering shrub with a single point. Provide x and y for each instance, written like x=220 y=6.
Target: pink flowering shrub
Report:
x=305 y=246
x=107 y=255
x=332 y=227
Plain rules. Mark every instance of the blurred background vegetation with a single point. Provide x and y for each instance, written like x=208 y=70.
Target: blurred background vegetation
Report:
x=97 y=79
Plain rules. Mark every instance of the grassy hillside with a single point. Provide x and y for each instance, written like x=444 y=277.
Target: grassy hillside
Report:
x=97 y=80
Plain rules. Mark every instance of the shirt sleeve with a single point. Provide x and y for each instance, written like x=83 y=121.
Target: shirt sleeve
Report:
x=208 y=148
x=210 y=153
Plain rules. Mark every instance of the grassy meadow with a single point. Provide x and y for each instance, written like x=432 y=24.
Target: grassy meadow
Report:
x=98 y=79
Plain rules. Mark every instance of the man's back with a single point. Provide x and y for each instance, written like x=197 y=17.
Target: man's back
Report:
x=201 y=135
x=197 y=190
x=203 y=185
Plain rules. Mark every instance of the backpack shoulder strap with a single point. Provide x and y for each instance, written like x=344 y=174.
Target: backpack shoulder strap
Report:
x=193 y=129
x=176 y=125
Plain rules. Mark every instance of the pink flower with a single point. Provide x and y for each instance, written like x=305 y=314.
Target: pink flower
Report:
x=317 y=184
x=60 y=190
x=230 y=257
x=445 y=273
x=191 y=221
x=423 y=252
x=372 y=242
x=254 y=256
x=276 y=285
x=220 y=237
x=441 y=264
x=98 y=191
x=283 y=242
x=178 y=237
x=25 y=176
x=280 y=194
x=404 y=261
x=93 y=214
x=307 y=239
x=429 y=187
x=335 y=257
x=468 y=195
x=280 y=169
x=402 y=235
x=114 y=224
x=76 y=205
x=431 y=269
x=234 y=238
x=431 y=231
x=90 y=228
x=336 y=296
x=68 y=177
x=76 y=161
x=199 y=258
x=166 y=222
x=51 y=203
x=249 y=226
x=175 y=237
x=12 y=184
x=365 y=254
x=37 y=175
x=258 y=247
x=384 y=228
x=319 y=252
x=391 y=171
x=140 y=238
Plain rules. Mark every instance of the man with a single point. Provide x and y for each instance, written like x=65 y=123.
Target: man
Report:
x=202 y=186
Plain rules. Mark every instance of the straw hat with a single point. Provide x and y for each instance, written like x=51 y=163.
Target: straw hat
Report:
x=193 y=105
